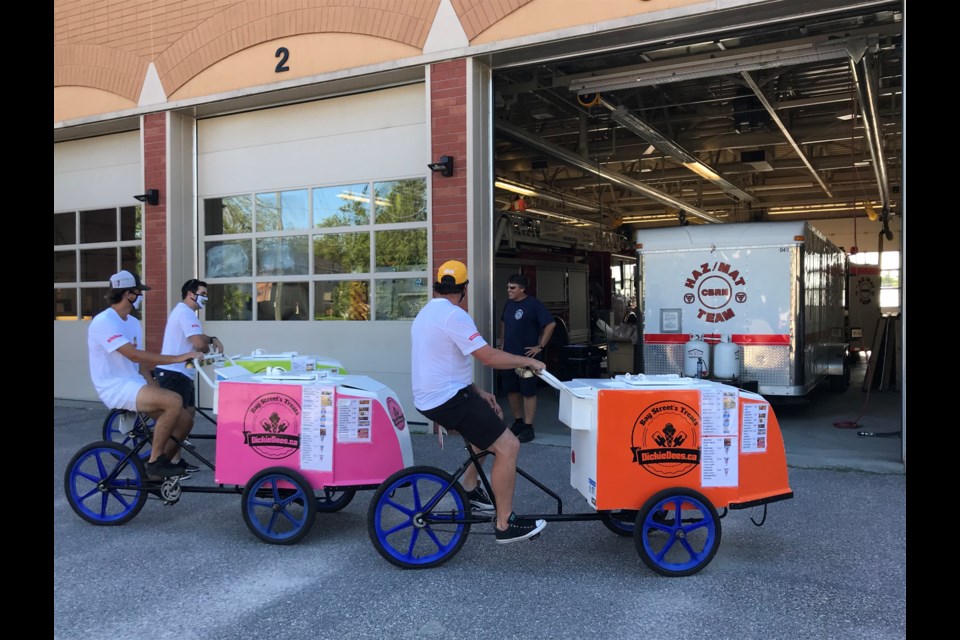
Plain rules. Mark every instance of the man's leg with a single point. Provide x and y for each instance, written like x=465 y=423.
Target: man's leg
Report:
x=529 y=408
x=503 y=476
x=181 y=430
x=516 y=405
x=165 y=406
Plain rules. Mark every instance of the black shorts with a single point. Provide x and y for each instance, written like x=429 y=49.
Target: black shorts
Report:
x=469 y=414
x=512 y=383
x=175 y=381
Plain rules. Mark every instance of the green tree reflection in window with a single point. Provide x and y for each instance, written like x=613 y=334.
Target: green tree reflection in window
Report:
x=401 y=250
x=342 y=300
x=400 y=201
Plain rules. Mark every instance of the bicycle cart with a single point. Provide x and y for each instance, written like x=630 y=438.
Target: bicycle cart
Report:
x=655 y=457
x=291 y=443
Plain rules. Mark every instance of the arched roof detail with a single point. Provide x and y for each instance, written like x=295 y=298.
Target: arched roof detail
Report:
x=477 y=16
x=99 y=67
x=254 y=22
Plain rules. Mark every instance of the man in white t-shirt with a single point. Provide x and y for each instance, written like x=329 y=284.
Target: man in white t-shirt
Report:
x=118 y=363
x=443 y=339
x=185 y=333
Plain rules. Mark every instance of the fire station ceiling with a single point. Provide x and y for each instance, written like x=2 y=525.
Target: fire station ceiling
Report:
x=791 y=121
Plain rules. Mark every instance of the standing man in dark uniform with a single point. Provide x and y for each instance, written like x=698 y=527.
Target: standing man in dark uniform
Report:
x=525 y=327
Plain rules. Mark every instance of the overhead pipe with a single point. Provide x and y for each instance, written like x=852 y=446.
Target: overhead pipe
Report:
x=786 y=132
x=863 y=80
x=613 y=176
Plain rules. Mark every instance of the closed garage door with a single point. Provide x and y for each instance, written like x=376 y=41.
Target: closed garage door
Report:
x=314 y=232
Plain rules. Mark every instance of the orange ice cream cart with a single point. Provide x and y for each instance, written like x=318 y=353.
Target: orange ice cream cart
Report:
x=654 y=456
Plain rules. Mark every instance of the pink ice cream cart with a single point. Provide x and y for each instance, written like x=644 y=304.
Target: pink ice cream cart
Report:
x=291 y=442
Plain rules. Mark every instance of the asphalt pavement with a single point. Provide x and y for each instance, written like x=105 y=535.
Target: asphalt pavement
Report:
x=829 y=563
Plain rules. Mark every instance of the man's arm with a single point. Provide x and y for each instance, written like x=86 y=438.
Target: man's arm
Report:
x=206 y=344
x=497 y=359
x=151 y=360
x=546 y=333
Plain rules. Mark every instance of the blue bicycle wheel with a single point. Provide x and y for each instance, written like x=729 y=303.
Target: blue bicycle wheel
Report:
x=621 y=522
x=279 y=506
x=404 y=532
x=677 y=532
x=103 y=485
x=113 y=432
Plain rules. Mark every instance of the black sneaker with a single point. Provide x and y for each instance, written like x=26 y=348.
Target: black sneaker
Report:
x=519 y=529
x=518 y=426
x=527 y=434
x=479 y=500
x=162 y=468
x=186 y=466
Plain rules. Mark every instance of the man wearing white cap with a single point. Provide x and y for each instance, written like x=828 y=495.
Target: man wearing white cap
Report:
x=443 y=339
x=118 y=362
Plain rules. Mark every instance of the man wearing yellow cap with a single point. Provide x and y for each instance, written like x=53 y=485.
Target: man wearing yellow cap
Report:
x=444 y=337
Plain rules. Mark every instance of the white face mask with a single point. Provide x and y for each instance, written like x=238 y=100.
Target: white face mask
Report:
x=138 y=302
x=201 y=301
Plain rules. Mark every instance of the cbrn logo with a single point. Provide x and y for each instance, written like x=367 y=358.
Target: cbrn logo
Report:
x=715 y=288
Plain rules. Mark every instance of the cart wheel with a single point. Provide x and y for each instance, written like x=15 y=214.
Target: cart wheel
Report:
x=621 y=522
x=329 y=500
x=278 y=507
x=677 y=532
x=407 y=536
x=111 y=430
x=97 y=499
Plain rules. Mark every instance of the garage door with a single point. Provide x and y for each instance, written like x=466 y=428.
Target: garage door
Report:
x=313 y=229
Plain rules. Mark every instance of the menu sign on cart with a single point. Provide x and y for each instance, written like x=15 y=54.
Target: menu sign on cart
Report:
x=719 y=446
x=316 y=428
x=755 y=427
x=354 y=419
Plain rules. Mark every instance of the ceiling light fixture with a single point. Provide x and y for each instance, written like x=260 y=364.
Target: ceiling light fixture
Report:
x=716 y=64
x=620 y=115
x=558 y=198
x=617 y=178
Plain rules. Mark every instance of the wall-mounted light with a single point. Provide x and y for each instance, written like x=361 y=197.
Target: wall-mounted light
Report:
x=444 y=165
x=151 y=197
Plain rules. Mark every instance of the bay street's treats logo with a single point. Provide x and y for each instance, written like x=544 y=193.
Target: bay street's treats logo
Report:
x=271 y=426
x=666 y=439
x=715 y=289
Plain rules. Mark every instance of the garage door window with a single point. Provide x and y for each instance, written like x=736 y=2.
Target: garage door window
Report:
x=88 y=247
x=318 y=253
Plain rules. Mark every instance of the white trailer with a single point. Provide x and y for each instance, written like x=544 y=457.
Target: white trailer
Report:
x=776 y=289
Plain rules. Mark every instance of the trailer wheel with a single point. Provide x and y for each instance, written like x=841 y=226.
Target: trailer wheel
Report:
x=95 y=498
x=621 y=522
x=278 y=506
x=403 y=532
x=683 y=541
x=329 y=500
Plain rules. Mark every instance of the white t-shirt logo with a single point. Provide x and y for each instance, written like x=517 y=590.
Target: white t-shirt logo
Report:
x=518 y=314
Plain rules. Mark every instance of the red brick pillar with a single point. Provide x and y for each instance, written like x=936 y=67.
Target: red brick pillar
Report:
x=448 y=137
x=155 y=229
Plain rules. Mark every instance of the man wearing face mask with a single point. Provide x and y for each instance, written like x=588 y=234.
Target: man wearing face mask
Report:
x=119 y=364
x=183 y=333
